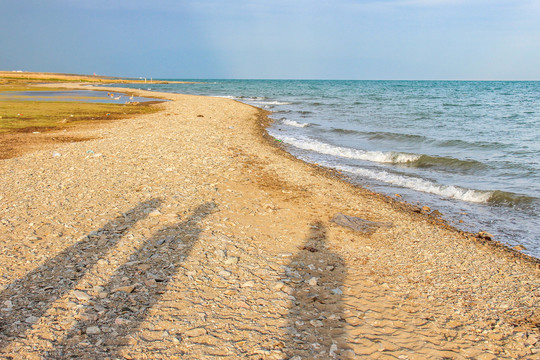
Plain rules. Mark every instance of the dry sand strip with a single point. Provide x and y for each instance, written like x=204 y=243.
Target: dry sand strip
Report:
x=186 y=235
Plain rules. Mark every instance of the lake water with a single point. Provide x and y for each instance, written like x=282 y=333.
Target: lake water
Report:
x=90 y=96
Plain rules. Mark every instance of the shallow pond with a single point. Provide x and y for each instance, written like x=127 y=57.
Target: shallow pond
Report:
x=91 y=96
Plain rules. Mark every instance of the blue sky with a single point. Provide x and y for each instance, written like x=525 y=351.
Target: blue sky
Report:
x=263 y=39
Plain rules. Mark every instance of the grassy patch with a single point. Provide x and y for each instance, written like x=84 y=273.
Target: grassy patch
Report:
x=24 y=124
x=27 y=116
x=49 y=115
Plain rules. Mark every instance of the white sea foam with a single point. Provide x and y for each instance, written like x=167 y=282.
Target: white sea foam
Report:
x=447 y=191
x=327 y=149
x=273 y=103
x=294 y=123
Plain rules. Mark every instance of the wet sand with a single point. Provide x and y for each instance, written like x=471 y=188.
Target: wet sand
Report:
x=187 y=234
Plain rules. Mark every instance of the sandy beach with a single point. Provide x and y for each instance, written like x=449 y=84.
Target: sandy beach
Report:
x=187 y=234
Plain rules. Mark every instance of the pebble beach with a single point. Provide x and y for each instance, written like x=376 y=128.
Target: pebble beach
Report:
x=190 y=234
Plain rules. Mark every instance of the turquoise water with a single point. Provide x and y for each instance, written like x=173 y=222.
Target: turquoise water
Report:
x=470 y=149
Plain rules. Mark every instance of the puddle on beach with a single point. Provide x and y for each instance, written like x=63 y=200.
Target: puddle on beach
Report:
x=91 y=96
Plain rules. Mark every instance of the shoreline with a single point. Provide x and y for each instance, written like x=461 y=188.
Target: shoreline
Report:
x=473 y=198
x=481 y=237
x=251 y=218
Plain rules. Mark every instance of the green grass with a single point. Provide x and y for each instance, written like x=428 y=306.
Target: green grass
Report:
x=48 y=115
x=27 y=115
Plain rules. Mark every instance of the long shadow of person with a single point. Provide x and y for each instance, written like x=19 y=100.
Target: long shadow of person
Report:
x=27 y=299
x=316 y=275
x=135 y=287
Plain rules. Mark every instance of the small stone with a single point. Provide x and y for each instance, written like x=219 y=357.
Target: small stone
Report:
x=387 y=346
x=224 y=273
x=358 y=224
x=353 y=320
x=231 y=260
x=337 y=291
x=296 y=357
x=453 y=324
x=495 y=336
x=150 y=283
x=121 y=321
x=220 y=253
x=242 y=304
x=81 y=295
x=312 y=281
x=532 y=339
x=519 y=247
x=316 y=323
x=334 y=317
x=31 y=319
x=249 y=283
x=484 y=235
x=333 y=349
x=278 y=286
x=196 y=332
x=155 y=213
x=144 y=267
x=127 y=289
x=93 y=330
x=426 y=209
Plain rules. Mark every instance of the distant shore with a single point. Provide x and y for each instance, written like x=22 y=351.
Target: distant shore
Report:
x=60 y=77
x=187 y=234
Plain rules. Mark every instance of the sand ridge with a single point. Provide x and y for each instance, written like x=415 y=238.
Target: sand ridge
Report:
x=184 y=234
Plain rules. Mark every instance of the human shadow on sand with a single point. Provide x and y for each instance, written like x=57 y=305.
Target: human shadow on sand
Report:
x=26 y=300
x=315 y=319
x=134 y=288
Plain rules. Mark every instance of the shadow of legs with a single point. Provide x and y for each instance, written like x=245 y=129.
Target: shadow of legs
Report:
x=131 y=292
x=315 y=323
x=30 y=297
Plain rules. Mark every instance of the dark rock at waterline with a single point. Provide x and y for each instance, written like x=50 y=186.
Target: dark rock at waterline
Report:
x=358 y=224
x=484 y=235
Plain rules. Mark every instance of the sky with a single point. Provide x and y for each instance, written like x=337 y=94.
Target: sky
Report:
x=278 y=39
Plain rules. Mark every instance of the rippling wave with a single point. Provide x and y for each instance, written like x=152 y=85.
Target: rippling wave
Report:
x=414 y=138
x=419 y=184
x=403 y=159
x=324 y=148
x=294 y=123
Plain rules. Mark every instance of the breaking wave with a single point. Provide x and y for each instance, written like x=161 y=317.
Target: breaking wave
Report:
x=494 y=197
x=294 y=123
x=447 y=191
x=327 y=149
x=398 y=158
